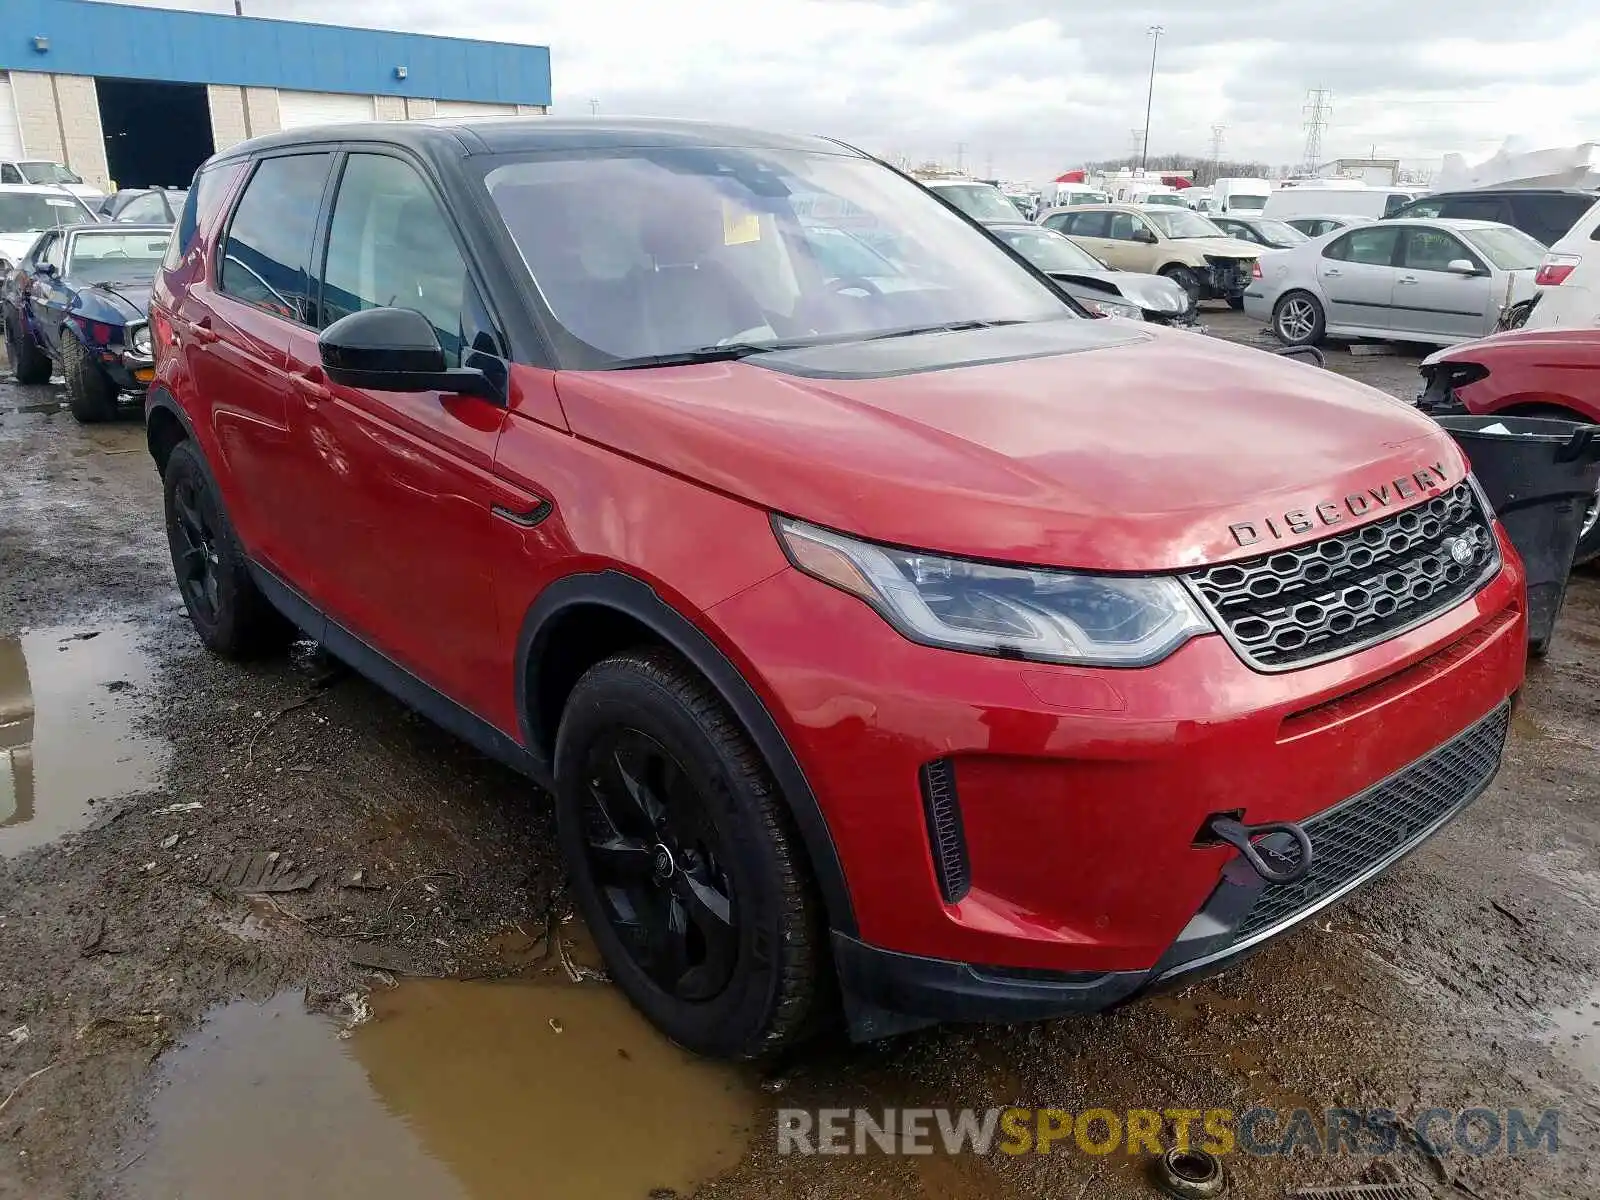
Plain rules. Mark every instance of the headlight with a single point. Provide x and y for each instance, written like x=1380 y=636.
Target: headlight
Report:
x=1112 y=308
x=1014 y=612
x=139 y=340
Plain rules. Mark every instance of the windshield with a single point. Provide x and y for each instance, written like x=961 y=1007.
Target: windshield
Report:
x=1507 y=248
x=1166 y=198
x=1280 y=232
x=1050 y=251
x=108 y=257
x=1243 y=202
x=1181 y=223
x=47 y=172
x=28 y=212
x=651 y=253
x=978 y=200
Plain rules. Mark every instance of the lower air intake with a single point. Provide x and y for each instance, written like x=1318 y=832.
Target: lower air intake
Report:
x=949 y=844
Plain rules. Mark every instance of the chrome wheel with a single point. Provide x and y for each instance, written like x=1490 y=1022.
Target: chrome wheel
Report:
x=1297 y=319
x=1591 y=517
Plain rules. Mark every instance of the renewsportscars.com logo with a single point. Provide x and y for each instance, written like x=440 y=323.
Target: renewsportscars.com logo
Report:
x=1260 y=1131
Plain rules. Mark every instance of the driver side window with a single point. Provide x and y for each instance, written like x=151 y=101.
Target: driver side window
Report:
x=51 y=252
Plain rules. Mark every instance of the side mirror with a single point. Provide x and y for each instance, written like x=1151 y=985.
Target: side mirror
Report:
x=1462 y=266
x=395 y=350
x=48 y=269
x=1145 y=236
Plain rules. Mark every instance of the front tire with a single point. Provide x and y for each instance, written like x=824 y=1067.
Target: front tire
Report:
x=226 y=608
x=1187 y=280
x=683 y=860
x=1298 y=319
x=29 y=364
x=91 y=395
x=1236 y=303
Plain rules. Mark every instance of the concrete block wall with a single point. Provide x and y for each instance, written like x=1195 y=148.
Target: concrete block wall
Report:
x=389 y=108
x=238 y=113
x=59 y=116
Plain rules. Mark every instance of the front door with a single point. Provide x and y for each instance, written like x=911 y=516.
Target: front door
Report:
x=1123 y=251
x=47 y=292
x=1356 y=276
x=234 y=330
x=1429 y=298
x=410 y=476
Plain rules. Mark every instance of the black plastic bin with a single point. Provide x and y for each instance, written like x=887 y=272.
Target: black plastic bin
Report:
x=1541 y=477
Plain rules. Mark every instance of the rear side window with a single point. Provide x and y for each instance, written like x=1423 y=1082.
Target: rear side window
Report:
x=1088 y=224
x=267 y=253
x=391 y=244
x=149 y=208
x=1549 y=218
x=1373 y=245
x=1395 y=202
x=199 y=206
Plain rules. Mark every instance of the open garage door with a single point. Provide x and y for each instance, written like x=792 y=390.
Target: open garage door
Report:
x=299 y=109
x=10 y=131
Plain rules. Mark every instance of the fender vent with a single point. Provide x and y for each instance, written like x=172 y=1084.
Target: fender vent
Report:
x=949 y=844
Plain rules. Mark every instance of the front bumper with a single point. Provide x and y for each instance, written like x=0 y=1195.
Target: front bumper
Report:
x=1081 y=792
x=137 y=371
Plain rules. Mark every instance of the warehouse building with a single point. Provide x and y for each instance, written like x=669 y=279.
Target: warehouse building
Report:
x=141 y=96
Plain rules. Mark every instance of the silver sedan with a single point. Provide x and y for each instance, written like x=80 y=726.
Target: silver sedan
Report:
x=1437 y=282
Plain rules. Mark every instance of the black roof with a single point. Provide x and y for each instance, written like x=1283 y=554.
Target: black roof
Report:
x=1512 y=191
x=457 y=136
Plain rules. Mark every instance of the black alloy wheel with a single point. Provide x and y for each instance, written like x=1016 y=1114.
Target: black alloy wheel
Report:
x=656 y=857
x=197 y=561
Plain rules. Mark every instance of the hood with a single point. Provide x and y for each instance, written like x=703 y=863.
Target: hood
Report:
x=132 y=300
x=1562 y=347
x=1223 y=247
x=1153 y=292
x=1103 y=445
x=15 y=245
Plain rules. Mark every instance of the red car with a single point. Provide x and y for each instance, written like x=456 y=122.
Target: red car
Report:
x=1524 y=373
x=920 y=640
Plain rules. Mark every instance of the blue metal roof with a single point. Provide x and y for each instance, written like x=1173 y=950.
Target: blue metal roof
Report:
x=126 y=42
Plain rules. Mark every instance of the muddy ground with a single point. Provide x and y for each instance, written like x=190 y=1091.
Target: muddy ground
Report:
x=162 y=1035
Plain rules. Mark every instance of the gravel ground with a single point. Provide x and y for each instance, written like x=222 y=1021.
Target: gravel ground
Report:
x=1459 y=979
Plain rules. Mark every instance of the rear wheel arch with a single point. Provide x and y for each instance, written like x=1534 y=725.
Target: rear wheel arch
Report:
x=582 y=619
x=165 y=426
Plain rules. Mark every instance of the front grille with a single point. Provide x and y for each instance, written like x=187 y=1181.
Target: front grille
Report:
x=1354 y=589
x=1355 y=838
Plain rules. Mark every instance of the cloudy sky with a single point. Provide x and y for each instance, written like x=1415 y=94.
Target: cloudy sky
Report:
x=1031 y=87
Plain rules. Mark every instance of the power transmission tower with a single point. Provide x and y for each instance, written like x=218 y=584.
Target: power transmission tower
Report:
x=594 y=108
x=1216 y=144
x=1318 y=110
x=961 y=156
x=1135 y=142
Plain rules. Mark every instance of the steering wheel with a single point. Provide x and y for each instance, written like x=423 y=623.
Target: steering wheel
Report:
x=854 y=283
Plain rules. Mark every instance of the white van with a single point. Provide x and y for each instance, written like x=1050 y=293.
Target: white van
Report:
x=1339 y=200
x=1064 y=195
x=1240 y=195
x=1569 y=279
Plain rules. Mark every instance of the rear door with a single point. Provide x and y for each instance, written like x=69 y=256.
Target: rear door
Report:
x=234 y=332
x=1428 y=299
x=408 y=478
x=1356 y=275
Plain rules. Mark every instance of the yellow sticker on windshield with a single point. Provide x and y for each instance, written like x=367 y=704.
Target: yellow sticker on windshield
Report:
x=739 y=225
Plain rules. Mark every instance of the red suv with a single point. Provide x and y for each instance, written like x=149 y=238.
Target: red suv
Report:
x=915 y=636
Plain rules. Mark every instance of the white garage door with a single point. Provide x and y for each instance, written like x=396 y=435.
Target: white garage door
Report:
x=298 y=109
x=10 y=131
x=470 y=108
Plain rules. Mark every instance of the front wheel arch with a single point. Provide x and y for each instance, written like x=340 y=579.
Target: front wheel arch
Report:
x=626 y=601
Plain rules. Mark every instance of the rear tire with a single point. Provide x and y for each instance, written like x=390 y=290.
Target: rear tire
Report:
x=1298 y=319
x=91 y=395
x=683 y=859
x=226 y=608
x=29 y=364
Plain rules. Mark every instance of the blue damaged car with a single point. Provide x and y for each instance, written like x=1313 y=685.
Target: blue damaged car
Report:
x=79 y=300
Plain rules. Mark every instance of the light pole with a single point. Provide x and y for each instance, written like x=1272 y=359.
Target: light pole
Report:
x=1155 y=32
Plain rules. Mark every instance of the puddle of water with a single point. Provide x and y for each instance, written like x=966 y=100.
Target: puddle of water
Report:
x=1575 y=1036
x=456 y=1091
x=67 y=712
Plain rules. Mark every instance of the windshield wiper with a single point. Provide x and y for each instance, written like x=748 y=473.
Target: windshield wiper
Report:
x=732 y=352
x=947 y=327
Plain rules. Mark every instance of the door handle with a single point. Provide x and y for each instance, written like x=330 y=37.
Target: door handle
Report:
x=524 y=519
x=201 y=331
x=1329 y=273
x=1407 y=279
x=314 y=392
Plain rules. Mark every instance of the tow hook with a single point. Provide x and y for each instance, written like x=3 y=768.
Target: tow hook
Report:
x=1242 y=838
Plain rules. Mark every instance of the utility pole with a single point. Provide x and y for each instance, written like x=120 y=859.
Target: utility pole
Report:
x=1318 y=109
x=1216 y=152
x=594 y=108
x=1155 y=32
